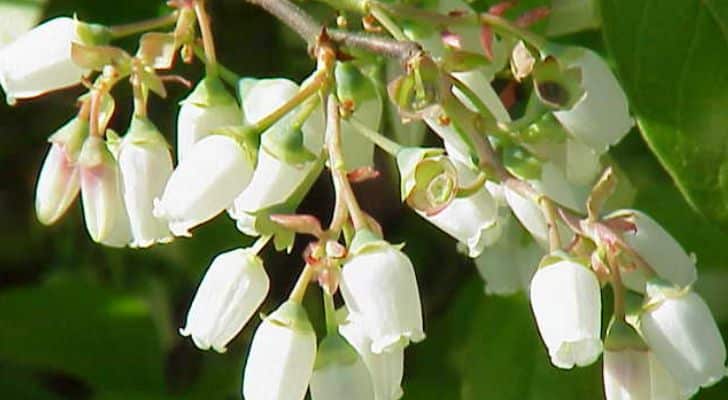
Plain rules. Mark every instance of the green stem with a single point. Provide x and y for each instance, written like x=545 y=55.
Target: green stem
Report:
x=120 y=31
x=302 y=283
x=385 y=143
x=307 y=109
x=549 y=213
x=225 y=73
x=618 y=288
x=208 y=43
x=332 y=326
x=388 y=23
x=307 y=91
x=259 y=244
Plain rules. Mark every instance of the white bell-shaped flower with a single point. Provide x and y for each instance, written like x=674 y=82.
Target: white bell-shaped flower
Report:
x=379 y=286
x=39 y=61
x=659 y=249
x=507 y=266
x=627 y=374
x=58 y=182
x=601 y=118
x=282 y=356
x=204 y=183
x=472 y=220
x=207 y=108
x=528 y=213
x=340 y=372
x=274 y=180
x=566 y=302
x=386 y=369
x=662 y=385
x=232 y=289
x=146 y=164
x=103 y=206
x=681 y=331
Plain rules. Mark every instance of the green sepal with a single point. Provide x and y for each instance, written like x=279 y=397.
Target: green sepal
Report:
x=96 y=57
x=71 y=136
x=335 y=350
x=622 y=336
x=142 y=131
x=210 y=92
x=521 y=163
x=419 y=89
x=247 y=137
x=285 y=143
x=352 y=85
x=659 y=290
x=92 y=34
x=558 y=256
x=113 y=142
x=407 y=160
x=558 y=87
x=94 y=153
x=366 y=240
x=545 y=129
x=292 y=315
x=283 y=238
x=456 y=60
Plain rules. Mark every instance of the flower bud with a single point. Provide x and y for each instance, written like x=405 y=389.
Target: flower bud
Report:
x=39 y=61
x=680 y=330
x=626 y=363
x=146 y=164
x=379 y=287
x=507 y=266
x=600 y=118
x=566 y=302
x=386 y=369
x=103 y=206
x=58 y=182
x=658 y=248
x=207 y=108
x=204 y=183
x=339 y=372
x=232 y=289
x=282 y=355
x=358 y=95
x=274 y=180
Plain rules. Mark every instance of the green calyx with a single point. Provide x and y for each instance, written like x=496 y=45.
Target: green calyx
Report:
x=546 y=129
x=419 y=88
x=521 y=163
x=407 y=160
x=95 y=153
x=92 y=34
x=247 y=137
x=622 y=336
x=286 y=144
x=210 y=92
x=71 y=136
x=352 y=85
x=365 y=240
x=334 y=350
x=142 y=131
x=291 y=315
x=558 y=256
x=558 y=87
x=658 y=290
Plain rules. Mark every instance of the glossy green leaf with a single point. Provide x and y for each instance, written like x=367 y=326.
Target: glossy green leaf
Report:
x=671 y=56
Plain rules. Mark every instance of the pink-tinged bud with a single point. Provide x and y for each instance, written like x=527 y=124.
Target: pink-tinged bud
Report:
x=58 y=182
x=103 y=207
x=627 y=374
x=146 y=164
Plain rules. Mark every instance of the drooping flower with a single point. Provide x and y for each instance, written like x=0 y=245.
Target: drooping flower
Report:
x=39 y=61
x=681 y=331
x=208 y=107
x=566 y=302
x=146 y=164
x=204 y=183
x=58 y=183
x=340 y=372
x=103 y=206
x=282 y=356
x=601 y=118
x=274 y=180
x=386 y=369
x=658 y=248
x=379 y=287
x=626 y=363
x=662 y=385
x=232 y=289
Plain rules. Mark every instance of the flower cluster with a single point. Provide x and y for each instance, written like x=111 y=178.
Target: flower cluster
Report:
x=523 y=193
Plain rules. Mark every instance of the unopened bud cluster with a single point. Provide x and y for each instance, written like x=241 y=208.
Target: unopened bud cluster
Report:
x=522 y=195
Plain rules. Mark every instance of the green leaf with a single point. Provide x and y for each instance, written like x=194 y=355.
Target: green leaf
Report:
x=671 y=56
x=107 y=339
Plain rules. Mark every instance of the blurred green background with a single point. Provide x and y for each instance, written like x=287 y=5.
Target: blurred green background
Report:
x=80 y=321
